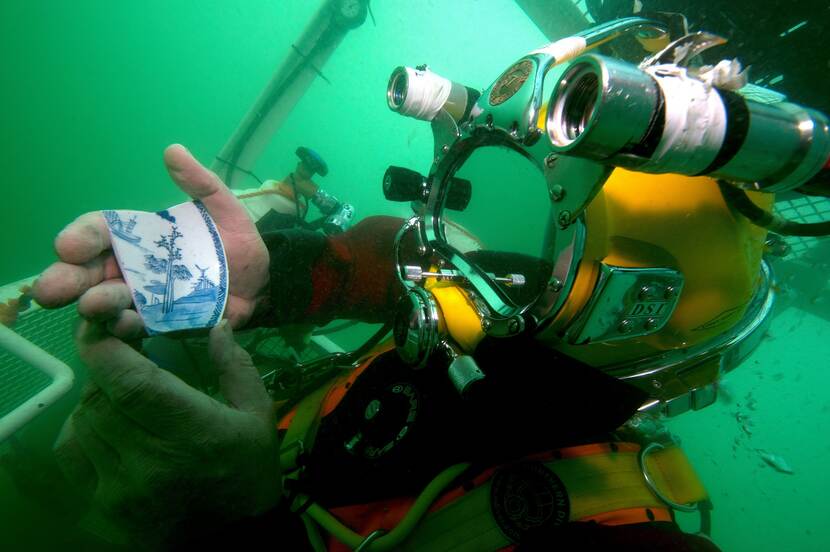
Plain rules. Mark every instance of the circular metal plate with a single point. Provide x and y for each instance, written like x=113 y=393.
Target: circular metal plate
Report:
x=510 y=82
x=526 y=498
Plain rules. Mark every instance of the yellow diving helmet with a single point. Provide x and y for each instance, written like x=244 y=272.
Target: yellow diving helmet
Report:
x=602 y=218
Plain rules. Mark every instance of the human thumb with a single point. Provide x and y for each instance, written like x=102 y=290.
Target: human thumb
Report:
x=239 y=380
x=200 y=183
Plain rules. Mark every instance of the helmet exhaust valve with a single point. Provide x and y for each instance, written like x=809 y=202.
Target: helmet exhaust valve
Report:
x=463 y=370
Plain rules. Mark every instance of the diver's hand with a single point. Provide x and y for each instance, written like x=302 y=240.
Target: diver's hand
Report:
x=160 y=459
x=88 y=271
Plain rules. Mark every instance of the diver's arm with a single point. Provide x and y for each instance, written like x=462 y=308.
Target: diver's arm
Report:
x=315 y=278
x=161 y=461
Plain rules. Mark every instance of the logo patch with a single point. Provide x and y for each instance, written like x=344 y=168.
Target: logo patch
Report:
x=526 y=498
x=510 y=81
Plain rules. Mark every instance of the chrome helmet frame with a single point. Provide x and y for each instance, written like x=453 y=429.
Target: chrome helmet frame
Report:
x=506 y=114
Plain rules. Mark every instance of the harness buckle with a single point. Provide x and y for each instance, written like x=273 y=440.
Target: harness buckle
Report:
x=703 y=507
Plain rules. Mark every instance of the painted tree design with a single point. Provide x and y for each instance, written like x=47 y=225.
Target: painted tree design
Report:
x=168 y=266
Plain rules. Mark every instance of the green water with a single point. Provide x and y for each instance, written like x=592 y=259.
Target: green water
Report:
x=91 y=93
x=94 y=92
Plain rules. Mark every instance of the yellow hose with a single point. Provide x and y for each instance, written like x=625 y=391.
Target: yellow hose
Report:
x=262 y=193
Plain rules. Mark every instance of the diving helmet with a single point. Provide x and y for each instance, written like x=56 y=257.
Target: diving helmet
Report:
x=590 y=200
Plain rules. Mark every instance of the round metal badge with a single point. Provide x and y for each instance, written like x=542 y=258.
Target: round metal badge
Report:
x=526 y=498
x=510 y=81
x=385 y=421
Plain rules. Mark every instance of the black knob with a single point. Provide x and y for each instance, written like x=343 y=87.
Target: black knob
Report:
x=312 y=161
x=458 y=197
x=400 y=184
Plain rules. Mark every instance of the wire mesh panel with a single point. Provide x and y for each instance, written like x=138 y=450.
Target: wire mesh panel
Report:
x=804 y=209
x=51 y=330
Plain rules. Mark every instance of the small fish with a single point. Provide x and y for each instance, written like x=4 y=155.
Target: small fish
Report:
x=775 y=461
x=745 y=423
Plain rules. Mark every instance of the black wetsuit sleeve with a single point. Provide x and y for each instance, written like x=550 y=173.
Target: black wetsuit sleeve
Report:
x=316 y=278
x=292 y=257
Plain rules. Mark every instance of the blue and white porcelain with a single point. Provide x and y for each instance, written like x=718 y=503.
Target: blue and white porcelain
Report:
x=174 y=263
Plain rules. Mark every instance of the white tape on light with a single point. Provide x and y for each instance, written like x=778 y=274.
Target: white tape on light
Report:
x=564 y=49
x=695 y=123
x=426 y=95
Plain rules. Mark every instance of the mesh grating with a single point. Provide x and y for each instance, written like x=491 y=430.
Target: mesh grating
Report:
x=803 y=209
x=51 y=330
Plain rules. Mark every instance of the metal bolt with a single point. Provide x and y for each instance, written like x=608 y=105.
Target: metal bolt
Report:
x=413 y=273
x=555 y=284
x=513 y=326
x=656 y=384
x=532 y=137
x=445 y=148
x=550 y=160
x=650 y=324
x=625 y=326
x=645 y=292
x=557 y=192
x=564 y=218
x=669 y=292
x=485 y=324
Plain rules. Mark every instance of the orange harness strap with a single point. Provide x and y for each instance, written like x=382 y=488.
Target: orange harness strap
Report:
x=604 y=484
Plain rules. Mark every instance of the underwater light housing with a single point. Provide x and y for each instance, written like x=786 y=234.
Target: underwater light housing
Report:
x=664 y=120
x=421 y=94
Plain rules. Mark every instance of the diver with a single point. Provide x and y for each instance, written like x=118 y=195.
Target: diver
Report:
x=212 y=470
x=518 y=405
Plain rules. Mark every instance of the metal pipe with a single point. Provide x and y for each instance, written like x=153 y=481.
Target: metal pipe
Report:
x=290 y=81
x=62 y=379
x=665 y=121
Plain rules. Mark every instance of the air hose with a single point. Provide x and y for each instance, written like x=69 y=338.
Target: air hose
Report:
x=396 y=536
x=737 y=199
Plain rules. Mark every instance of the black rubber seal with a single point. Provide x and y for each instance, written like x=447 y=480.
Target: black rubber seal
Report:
x=738 y=200
x=646 y=147
x=737 y=129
